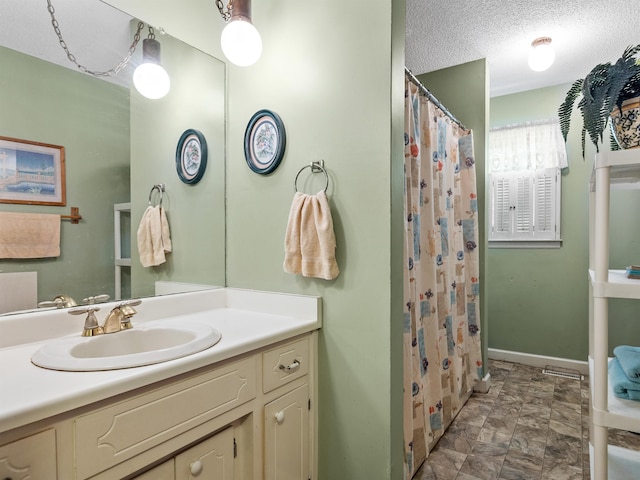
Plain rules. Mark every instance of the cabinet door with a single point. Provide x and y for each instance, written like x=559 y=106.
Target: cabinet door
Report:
x=32 y=457
x=286 y=440
x=164 y=471
x=211 y=459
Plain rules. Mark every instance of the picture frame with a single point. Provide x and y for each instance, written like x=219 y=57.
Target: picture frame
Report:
x=264 y=142
x=191 y=156
x=32 y=173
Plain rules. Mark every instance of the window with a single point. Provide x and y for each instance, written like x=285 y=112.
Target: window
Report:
x=525 y=163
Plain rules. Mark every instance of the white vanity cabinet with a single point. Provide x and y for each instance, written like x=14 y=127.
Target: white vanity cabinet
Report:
x=164 y=471
x=245 y=418
x=287 y=426
x=244 y=409
x=286 y=436
x=212 y=458
x=32 y=457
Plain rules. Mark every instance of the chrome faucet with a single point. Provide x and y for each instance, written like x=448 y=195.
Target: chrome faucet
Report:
x=119 y=318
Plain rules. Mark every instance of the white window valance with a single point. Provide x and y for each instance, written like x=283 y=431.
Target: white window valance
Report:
x=528 y=146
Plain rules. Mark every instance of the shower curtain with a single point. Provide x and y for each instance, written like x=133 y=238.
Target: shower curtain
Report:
x=442 y=354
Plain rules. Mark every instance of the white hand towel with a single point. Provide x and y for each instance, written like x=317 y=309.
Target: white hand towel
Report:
x=154 y=238
x=310 y=243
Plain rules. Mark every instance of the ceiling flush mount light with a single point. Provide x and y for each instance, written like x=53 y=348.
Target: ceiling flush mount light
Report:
x=541 y=55
x=240 y=40
x=150 y=78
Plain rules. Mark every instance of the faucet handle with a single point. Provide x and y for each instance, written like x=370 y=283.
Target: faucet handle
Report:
x=60 y=301
x=91 y=326
x=130 y=303
x=96 y=299
x=127 y=312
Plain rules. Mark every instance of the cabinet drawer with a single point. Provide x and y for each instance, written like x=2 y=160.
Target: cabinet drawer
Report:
x=114 y=434
x=284 y=363
x=30 y=457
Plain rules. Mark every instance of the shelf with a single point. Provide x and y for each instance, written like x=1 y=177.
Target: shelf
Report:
x=618 y=285
x=623 y=463
x=624 y=171
x=123 y=262
x=622 y=414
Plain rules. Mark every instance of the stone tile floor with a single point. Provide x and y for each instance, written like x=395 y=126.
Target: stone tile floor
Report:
x=530 y=426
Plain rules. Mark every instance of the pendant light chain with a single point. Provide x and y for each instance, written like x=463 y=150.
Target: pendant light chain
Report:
x=109 y=73
x=226 y=15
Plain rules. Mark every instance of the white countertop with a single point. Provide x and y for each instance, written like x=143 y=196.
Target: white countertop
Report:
x=247 y=320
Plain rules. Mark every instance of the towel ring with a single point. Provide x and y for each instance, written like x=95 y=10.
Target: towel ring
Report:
x=160 y=188
x=316 y=167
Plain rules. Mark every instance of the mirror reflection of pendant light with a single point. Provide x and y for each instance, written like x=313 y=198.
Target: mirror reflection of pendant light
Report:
x=240 y=40
x=541 y=55
x=150 y=78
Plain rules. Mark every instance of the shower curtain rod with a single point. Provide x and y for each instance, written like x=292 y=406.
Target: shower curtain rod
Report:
x=432 y=97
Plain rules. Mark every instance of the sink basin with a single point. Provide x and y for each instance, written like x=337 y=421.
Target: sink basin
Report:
x=144 y=344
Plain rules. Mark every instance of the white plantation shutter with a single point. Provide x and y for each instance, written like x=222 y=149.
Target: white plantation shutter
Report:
x=525 y=206
x=525 y=162
x=502 y=209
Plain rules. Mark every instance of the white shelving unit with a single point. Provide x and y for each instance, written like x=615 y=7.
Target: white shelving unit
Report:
x=620 y=169
x=120 y=262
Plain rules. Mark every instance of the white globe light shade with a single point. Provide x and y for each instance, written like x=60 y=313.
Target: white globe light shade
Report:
x=151 y=80
x=541 y=57
x=241 y=43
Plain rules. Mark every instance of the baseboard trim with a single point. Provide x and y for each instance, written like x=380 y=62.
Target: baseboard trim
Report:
x=538 y=360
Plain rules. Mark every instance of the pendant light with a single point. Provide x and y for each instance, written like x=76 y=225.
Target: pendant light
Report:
x=150 y=78
x=240 y=40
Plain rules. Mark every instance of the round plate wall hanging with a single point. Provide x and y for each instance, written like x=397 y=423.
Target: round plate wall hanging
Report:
x=191 y=156
x=264 y=142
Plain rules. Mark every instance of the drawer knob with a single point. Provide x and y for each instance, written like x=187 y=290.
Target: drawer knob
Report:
x=196 y=467
x=290 y=368
x=279 y=417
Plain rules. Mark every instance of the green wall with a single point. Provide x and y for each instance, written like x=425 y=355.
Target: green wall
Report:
x=47 y=103
x=464 y=91
x=195 y=212
x=333 y=92
x=330 y=77
x=538 y=298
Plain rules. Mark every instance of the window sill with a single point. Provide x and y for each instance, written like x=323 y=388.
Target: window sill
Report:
x=525 y=243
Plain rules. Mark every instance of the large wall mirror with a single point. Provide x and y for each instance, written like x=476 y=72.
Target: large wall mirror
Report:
x=118 y=145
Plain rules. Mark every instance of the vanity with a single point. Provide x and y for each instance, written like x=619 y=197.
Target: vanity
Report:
x=245 y=408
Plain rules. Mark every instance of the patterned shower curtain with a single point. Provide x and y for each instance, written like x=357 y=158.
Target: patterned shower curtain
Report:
x=442 y=354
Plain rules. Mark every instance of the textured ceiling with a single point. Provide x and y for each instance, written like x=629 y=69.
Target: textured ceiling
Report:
x=96 y=34
x=444 y=33
x=439 y=34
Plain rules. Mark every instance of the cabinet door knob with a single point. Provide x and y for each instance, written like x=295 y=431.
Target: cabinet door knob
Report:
x=279 y=417
x=196 y=467
x=290 y=368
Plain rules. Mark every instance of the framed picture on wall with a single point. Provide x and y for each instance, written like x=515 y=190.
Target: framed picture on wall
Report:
x=264 y=142
x=191 y=156
x=31 y=172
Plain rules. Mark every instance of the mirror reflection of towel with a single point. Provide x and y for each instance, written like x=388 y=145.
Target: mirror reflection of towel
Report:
x=310 y=242
x=29 y=235
x=154 y=239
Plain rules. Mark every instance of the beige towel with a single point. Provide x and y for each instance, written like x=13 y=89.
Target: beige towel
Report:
x=29 y=235
x=154 y=238
x=310 y=243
